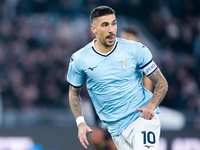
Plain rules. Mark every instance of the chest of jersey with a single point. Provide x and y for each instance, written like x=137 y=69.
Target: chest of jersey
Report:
x=112 y=69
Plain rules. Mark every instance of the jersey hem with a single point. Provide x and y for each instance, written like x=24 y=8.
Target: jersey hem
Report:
x=73 y=85
x=146 y=64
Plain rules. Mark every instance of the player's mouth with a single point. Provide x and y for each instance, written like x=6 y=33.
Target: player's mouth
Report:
x=110 y=37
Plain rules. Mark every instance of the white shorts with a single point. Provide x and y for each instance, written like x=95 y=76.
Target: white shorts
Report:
x=142 y=134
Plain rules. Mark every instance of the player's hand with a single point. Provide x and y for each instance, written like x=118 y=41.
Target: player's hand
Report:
x=147 y=113
x=83 y=129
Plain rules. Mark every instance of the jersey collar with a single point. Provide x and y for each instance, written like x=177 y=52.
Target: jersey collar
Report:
x=105 y=55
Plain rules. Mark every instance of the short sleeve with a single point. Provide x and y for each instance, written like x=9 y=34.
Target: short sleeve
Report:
x=143 y=55
x=144 y=59
x=75 y=74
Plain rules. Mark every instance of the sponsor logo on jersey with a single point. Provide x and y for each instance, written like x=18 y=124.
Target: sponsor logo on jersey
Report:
x=148 y=146
x=92 y=68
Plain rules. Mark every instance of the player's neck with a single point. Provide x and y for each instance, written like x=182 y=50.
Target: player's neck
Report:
x=102 y=48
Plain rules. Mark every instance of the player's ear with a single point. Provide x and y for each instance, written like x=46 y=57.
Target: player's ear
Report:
x=93 y=29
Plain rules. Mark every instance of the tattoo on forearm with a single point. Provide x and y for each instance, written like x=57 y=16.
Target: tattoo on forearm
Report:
x=161 y=87
x=74 y=101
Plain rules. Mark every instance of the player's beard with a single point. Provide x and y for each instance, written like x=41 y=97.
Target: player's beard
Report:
x=105 y=43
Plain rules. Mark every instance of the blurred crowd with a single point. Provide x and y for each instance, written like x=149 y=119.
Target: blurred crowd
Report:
x=37 y=38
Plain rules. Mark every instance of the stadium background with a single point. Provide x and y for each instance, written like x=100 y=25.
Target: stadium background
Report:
x=37 y=38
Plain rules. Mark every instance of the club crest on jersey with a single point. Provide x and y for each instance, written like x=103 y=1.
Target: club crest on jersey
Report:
x=123 y=63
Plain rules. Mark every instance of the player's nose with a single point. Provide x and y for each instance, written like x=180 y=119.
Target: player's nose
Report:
x=111 y=29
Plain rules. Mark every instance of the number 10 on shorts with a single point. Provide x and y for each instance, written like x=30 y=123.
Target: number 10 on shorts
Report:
x=148 y=137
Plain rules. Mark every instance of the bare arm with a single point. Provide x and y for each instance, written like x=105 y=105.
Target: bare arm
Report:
x=74 y=101
x=148 y=84
x=75 y=104
x=161 y=87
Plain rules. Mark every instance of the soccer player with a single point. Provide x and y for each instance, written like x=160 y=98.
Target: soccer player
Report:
x=113 y=70
x=100 y=137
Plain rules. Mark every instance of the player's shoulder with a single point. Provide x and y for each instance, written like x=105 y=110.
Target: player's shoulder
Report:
x=128 y=45
x=83 y=51
x=127 y=42
x=133 y=44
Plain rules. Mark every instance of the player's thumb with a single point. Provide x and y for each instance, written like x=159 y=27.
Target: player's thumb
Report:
x=89 y=129
x=139 y=109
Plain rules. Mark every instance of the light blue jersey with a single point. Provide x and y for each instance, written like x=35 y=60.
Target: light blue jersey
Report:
x=114 y=81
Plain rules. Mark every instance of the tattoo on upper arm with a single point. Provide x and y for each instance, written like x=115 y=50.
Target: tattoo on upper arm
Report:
x=74 y=101
x=161 y=86
x=156 y=76
x=74 y=90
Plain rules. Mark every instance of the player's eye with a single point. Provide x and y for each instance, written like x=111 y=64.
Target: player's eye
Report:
x=104 y=25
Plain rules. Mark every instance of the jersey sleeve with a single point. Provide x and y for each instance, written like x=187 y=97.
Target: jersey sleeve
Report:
x=145 y=60
x=75 y=74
